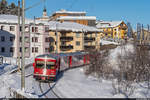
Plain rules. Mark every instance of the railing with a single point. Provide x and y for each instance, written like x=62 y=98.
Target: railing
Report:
x=66 y=47
x=63 y=38
x=89 y=47
x=89 y=38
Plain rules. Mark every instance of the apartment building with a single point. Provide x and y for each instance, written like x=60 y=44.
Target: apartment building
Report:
x=113 y=29
x=70 y=16
x=72 y=37
x=10 y=37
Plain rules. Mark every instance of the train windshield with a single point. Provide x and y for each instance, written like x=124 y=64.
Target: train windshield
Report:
x=50 y=65
x=40 y=64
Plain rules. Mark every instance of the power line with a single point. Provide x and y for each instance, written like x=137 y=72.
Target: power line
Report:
x=36 y=4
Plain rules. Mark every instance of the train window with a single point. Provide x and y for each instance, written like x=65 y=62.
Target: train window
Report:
x=50 y=65
x=40 y=64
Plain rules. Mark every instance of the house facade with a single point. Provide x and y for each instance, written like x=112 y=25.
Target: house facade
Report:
x=72 y=37
x=113 y=29
x=11 y=40
x=73 y=16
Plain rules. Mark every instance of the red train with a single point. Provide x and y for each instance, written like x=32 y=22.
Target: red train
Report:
x=47 y=66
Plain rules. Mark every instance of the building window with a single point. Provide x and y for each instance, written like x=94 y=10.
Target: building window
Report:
x=11 y=49
x=34 y=29
x=2 y=27
x=2 y=49
x=34 y=39
x=46 y=29
x=20 y=28
x=34 y=49
x=77 y=35
x=78 y=43
x=2 y=38
x=20 y=49
x=47 y=39
x=47 y=49
x=12 y=28
x=12 y=39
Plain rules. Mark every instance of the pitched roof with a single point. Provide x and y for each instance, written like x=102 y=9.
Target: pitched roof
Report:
x=107 y=24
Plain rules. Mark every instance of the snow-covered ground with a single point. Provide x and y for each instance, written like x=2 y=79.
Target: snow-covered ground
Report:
x=70 y=84
x=105 y=42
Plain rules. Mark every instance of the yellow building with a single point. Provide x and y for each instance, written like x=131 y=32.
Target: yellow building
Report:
x=73 y=16
x=113 y=29
x=72 y=37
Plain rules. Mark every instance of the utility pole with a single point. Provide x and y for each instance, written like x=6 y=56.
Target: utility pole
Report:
x=34 y=36
x=56 y=39
x=148 y=34
x=18 y=36
x=83 y=40
x=23 y=48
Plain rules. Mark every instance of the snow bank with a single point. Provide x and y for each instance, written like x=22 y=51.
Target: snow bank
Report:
x=105 y=42
x=119 y=50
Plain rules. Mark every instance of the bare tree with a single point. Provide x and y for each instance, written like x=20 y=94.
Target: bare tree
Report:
x=99 y=66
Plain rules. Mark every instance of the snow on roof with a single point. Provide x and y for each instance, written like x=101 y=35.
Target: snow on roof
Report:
x=105 y=24
x=12 y=19
x=77 y=18
x=73 y=12
x=71 y=26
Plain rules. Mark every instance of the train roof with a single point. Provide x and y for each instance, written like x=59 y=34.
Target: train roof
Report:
x=58 y=55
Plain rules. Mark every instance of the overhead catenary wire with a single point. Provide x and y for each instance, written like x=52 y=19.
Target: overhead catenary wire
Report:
x=36 y=4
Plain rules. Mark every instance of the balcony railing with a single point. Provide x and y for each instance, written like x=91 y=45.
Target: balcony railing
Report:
x=63 y=38
x=108 y=32
x=89 y=47
x=66 y=47
x=89 y=39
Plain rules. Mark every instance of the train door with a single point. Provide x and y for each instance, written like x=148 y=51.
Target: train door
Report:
x=70 y=61
x=86 y=59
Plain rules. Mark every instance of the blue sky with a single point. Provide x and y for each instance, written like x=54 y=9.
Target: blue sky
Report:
x=133 y=11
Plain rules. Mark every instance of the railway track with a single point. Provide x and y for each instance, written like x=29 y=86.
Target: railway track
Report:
x=40 y=86
x=53 y=91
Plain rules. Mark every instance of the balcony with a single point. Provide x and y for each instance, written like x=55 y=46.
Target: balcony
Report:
x=66 y=47
x=63 y=38
x=108 y=32
x=89 y=47
x=89 y=39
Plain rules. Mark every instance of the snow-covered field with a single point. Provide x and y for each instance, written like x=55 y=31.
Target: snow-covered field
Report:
x=70 y=84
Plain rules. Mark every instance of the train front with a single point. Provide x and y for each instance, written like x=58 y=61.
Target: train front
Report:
x=44 y=68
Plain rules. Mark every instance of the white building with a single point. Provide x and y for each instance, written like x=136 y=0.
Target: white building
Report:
x=36 y=42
